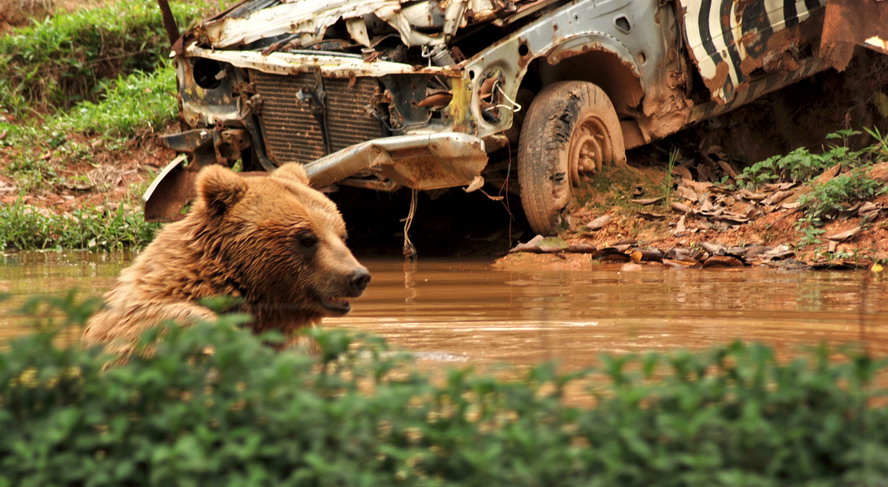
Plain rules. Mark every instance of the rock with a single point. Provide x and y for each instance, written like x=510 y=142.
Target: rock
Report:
x=630 y=267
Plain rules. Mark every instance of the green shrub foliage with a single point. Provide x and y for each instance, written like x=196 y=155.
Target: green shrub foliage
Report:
x=356 y=414
x=58 y=62
x=25 y=227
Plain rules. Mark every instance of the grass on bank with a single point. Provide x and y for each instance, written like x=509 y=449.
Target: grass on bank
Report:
x=131 y=105
x=24 y=227
x=68 y=58
x=357 y=414
x=828 y=200
x=118 y=105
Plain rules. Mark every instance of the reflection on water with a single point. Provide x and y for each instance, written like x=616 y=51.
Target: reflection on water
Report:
x=469 y=312
x=466 y=310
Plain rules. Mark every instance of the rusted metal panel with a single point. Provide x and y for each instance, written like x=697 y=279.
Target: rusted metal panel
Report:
x=734 y=41
x=850 y=23
x=169 y=192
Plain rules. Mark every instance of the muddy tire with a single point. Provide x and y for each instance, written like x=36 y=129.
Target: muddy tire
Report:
x=571 y=129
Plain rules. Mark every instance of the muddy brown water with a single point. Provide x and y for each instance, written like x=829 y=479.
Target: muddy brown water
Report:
x=469 y=312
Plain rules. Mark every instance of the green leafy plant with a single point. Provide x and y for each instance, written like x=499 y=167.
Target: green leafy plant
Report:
x=130 y=104
x=23 y=227
x=811 y=231
x=801 y=164
x=62 y=60
x=829 y=199
x=355 y=413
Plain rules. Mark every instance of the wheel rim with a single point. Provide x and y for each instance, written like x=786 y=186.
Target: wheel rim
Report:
x=588 y=148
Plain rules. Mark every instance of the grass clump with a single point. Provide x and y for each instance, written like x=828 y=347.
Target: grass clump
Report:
x=23 y=227
x=62 y=60
x=129 y=105
x=355 y=414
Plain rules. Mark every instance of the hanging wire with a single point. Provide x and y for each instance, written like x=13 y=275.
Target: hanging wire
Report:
x=409 y=249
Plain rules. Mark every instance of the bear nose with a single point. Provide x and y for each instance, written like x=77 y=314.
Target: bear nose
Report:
x=358 y=280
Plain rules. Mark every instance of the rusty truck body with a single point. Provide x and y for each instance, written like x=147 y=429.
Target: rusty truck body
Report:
x=429 y=94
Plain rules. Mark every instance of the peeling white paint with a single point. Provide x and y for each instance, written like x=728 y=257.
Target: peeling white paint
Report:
x=332 y=65
x=878 y=44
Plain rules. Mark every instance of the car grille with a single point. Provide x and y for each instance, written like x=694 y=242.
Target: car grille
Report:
x=293 y=134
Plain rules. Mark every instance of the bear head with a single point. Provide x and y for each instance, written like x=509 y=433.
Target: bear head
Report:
x=279 y=242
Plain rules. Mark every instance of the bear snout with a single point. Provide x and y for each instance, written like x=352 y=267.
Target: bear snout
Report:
x=358 y=281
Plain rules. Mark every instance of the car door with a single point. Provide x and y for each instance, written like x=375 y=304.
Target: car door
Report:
x=735 y=43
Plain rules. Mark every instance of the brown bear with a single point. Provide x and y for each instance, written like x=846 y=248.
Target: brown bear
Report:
x=270 y=241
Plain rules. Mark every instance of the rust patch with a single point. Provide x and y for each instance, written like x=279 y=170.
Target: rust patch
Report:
x=849 y=23
x=717 y=82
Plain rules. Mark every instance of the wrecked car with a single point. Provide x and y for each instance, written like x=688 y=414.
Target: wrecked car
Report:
x=431 y=94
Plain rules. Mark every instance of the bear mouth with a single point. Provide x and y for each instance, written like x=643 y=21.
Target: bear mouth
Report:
x=337 y=305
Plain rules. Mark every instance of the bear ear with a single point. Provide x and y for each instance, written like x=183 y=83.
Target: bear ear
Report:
x=220 y=188
x=292 y=171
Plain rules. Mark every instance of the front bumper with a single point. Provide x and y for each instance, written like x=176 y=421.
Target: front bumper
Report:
x=429 y=161
x=422 y=162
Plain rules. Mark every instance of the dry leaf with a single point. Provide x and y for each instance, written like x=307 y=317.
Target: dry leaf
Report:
x=648 y=201
x=598 y=223
x=682 y=172
x=722 y=261
x=680 y=207
x=680 y=263
x=712 y=248
x=846 y=235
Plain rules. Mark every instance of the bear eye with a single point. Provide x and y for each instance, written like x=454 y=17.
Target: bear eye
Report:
x=307 y=239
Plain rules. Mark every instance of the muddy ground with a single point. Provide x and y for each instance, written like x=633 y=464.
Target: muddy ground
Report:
x=458 y=224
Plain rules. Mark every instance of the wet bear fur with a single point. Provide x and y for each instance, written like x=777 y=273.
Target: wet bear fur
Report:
x=270 y=241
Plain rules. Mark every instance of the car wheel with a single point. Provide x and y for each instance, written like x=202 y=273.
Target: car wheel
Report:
x=571 y=128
